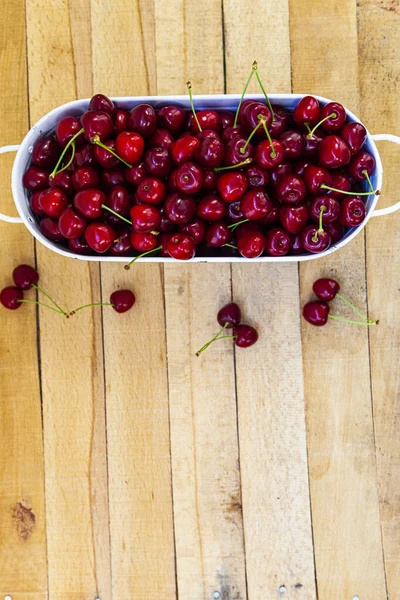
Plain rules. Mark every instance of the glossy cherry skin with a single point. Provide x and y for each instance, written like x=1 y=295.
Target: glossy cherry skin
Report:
x=143 y=242
x=331 y=212
x=268 y=157
x=35 y=206
x=180 y=208
x=45 y=153
x=208 y=119
x=333 y=123
x=314 y=177
x=53 y=202
x=311 y=145
x=352 y=211
x=232 y=186
x=297 y=247
x=233 y=151
x=210 y=152
x=142 y=120
x=280 y=122
x=84 y=155
x=255 y=204
x=112 y=177
x=307 y=111
x=104 y=158
x=89 y=203
x=354 y=134
x=71 y=224
x=181 y=246
x=333 y=152
x=122 y=245
x=273 y=215
x=294 y=218
x=278 y=242
x=49 y=228
x=227 y=118
x=257 y=177
x=145 y=218
x=293 y=143
x=157 y=161
x=280 y=171
x=326 y=289
x=163 y=240
x=100 y=237
x=235 y=212
x=63 y=181
x=79 y=246
x=120 y=120
x=97 y=123
x=340 y=182
x=196 y=229
x=335 y=230
x=184 y=149
x=251 y=244
x=300 y=165
x=25 y=276
x=212 y=208
x=172 y=118
x=166 y=225
x=363 y=161
x=218 y=234
x=323 y=239
x=10 y=297
x=290 y=189
x=171 y=184
x=230 y=133
x=161 y=137
x=210 y=180
x=251 y=118
x=316 y=313
x=137 y=174
x=245 y=336
x=84 y=178
x=129 y=146
x=229 y=315
x=101 y=102
x=66 y=128
x=118 y=201
x=122 y=300
x=35 y=179
x=151 y=191
x=208 y=133
x=189 y=178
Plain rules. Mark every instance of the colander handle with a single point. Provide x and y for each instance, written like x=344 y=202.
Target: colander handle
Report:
x=3 y=150
x=388 y=137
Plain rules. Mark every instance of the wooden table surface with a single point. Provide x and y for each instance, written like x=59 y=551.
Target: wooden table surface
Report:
x=129 y=468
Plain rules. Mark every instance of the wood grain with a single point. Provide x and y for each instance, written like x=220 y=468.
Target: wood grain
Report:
x=276 y=507
x=345 y=509
x=143 y=557
x=23 y=569
x=71 y=350
x=379 y=27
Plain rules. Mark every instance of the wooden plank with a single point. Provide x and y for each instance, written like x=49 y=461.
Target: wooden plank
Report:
x=204 y=445
x=379 y=61
x=276 y=505
x=71 y=350
x=23 y=571
x=143 y=557
x=345 y=509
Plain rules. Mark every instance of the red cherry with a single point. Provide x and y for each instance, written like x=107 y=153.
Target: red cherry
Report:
x=245 y=336
x=333 y=123
x=112 y=177
x=290 y=189
x=104 y=158
x=142 y=120
x=307 y=111
x=163 y=242
x=251 y=118
x=326 y=289
x=100 y=236
x=129 y=146
x=234 y=212
x=280 y=122
x=181 y=246
x=151 y=191
x=79 y=246
x=143 y=242
x=255 y=204
x=10 y=297
x=257 y=177
x=233 y=151
x=71 y=224
x=136 y=174
x=49 y=228
x=273 y=215
x=210 y=152
x=268 y=157
x=297 y=247
x=300 y=165
x=89 y=203
x=184 y=149
x=316 y=313
x=166 y=225
x=145 y=218
x=53 y=202
x=66 y=129
x=212 y=208
x=294 y=218
x=63 y=181
x=311 y=145
x=333 y=152
x=100 y=102
x=232 y=186
x=172 y=118
x=293 y=143
x=227 y=118
x=180 y=208
x=157 y=161
x=335 y=230
x=161 y=137
x=122 y=245
x=315 y=177
x=118 y=201
x=97 y=123
x=25 y=276
x=354 y=134
x=45 y=153
x=35 y=179
x=122 y=300
x=218 y=234
x=314 y=240
x=363 y=161
x=251 y=244
x=332 y=209
x=340 y=182
x=196 y=229
x=280 y=171
x=84 y=156
x=210 y=180
x=229 y=315
x=230 y=133
x=35 y=206
x=208 y=119
x=278 y=242
x=189 y=178
x=84 y=178
x=352 y=211
x=121 y=120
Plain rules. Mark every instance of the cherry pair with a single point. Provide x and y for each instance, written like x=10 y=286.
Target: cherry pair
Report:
x=229 y=317
x=317 y=312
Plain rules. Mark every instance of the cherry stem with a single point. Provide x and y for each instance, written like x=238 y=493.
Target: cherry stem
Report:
x=60 y=312
x=36 y=287
x=352 y=306
x=216 y=337
x=365 y=172
x=320 y=228
x=189 y=87
x=116 y=214
x=87 y=305
x=241 y=164
x=96 y=140
x=306 y=125
x=263 y=91
x=311 y=133
x=71 y=141
x=127 y=267
x=253 y=70
x=231 y=246
x=369 y=322
x=242 y=150
x=234 y=225
x=262 y=119
x=327 y=187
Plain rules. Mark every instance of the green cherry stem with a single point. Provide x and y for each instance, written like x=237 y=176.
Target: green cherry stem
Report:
x=243 y=148
x=327 y=187
x=263 y=91
x=216 y=337
x=87 y=306
x=306 y=125
x=96 y=140
x=71 y=141
x=60 y=312
x=253 y=70
x=369 y=182
x=189 y=87
x=320 y=227
x=352 y=306
x=262 y=119
x=234 y=225
x=369 y=322
x=36 y=287
x=116 y=214
x=311 y=132
x=241 y=164
x=127 y=267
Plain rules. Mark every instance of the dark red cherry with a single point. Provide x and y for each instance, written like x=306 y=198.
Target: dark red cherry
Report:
x=354 y=134
x=97 y=123
x=35 y=179
x=290 y=189
x=118 y=201
x=227 y=118
x=208 y=119
x=163 y=240
x=71 y=225
x=280 y=171
x=243 y=107
x=181 y=246
x=333 y=123
x=122 y=300
x=173 y=118
x=161 y=137
x=257 y=177
x=280 y=122
x=307 y=111
x=313 y=240
x=278 y=242
x=363 y=161
x=129 y=146
x=210 y=152
x=63 y=181
x=166 y=225
x=49 y=228
x=218 y=234
x=208 y=133
x=84 y=177
x=245 y=336
x=111 y=177
x=25 y=276
x=53 y=202
x=267 y=156
x=84 y=156
x=184 y=149
x=250 y=244
x=273 y=215
x=100 y=236
x=89 y=203
x=179 y=207
x=79 y=246
x=210 y=180
x=196 y=229
x=326 y=289
x=293 y=143
x=311 y=144
x=145 y=218
x=251 y=118
x=136 y=174
x=300 y=165
x=212 y=208
x=104 y=158
x=297 y=247
x=331 y=212
x=229 y=315
x=142 y=120
x=35 y=206
x=294 y=218
x=121 y=120
x=45 y=153
x=316 y=313
x=101 y=102
x=255 y=204
x=232 y=186
x=66 y=129
x=230 y=133
x=11 y=297
x=340 y=182
x=171 y=184
x=189 y=178
x=314 y=177
x=233 y=151
x=335 y=230
x=122 y=245
x=151 y=191
x=157 y=162
x=352 y=211
x=234 y=212
x=333 y=152
x=143 y=242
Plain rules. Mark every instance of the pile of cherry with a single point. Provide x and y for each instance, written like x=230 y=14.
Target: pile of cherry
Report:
x=167 y=181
